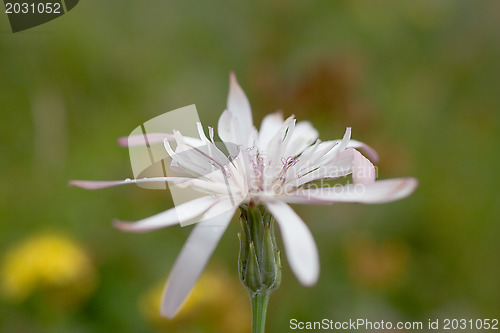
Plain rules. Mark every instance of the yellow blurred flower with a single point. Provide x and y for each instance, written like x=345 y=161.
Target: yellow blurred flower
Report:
x=46 y=262
x=218 y=303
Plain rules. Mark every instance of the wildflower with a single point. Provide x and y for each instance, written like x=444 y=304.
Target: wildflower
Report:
x=215 y=295
x=266 y=170
x=46 y=261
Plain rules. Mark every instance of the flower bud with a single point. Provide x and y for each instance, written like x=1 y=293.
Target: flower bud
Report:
x=259 y=263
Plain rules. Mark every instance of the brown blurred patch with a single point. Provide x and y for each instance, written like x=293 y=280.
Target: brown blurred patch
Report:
x=328 y=93
x=373 y=264
x=395 y=159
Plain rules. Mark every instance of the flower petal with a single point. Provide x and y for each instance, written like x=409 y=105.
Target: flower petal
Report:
x=341 y=165
x=345 y=139
x=220 y=208
x=303 y=136
x=270 y=125
x=235 y=123
x=369 y=151
x=219 y=188
x=377 y=192
x=178 y=214
x=191 y=261
x=237 y=103
x=363 y=171
x=198 y=160
x=299 y=244
x=330 y=154
x=99 y=184
x=143 y=140
x=275 y=148
x=224 y=127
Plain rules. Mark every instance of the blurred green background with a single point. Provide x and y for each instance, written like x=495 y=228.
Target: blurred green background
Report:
x=417 y=80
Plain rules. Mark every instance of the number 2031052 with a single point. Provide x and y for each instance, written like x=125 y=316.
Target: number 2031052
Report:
x=32 y=8
x=471 y=324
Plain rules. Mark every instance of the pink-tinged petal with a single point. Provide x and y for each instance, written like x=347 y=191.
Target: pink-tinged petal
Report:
x=374 y=193
x=178 y=214
x=143 y=140
x=299 y=244
x=191 y=261
x=237 y=103
x=99 y=184
x=363 y=171
x=369 y=151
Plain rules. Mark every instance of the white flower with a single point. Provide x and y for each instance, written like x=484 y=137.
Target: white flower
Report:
x=280 y=164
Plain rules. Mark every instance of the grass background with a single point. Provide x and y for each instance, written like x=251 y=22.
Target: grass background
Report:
x=417 y=80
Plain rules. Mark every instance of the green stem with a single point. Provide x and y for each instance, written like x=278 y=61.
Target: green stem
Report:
x=259 y=263
x=259 y=310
